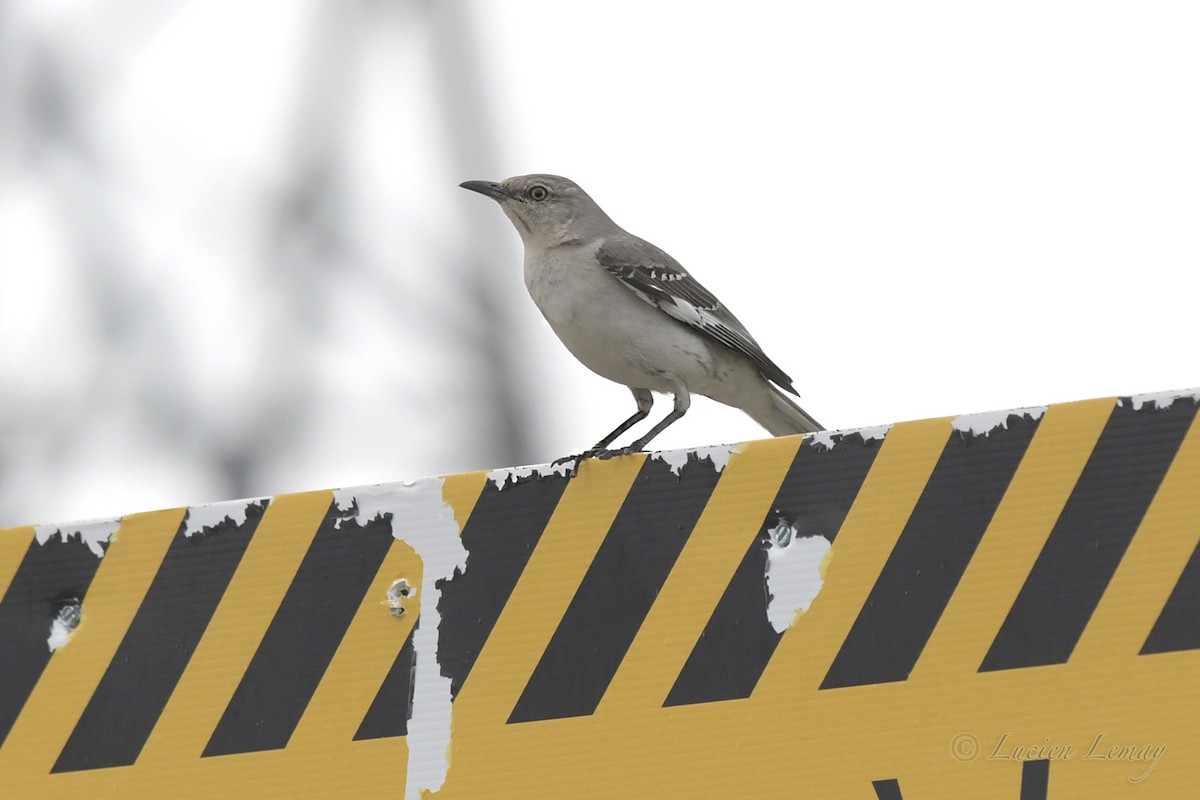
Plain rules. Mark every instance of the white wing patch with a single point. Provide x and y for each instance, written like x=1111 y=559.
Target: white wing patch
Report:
x=665 y=275
x=684 y=311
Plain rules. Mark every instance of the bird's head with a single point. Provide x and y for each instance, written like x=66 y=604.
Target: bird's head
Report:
x=545 y=209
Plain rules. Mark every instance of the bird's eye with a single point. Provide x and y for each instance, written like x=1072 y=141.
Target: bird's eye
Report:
x=538 y=192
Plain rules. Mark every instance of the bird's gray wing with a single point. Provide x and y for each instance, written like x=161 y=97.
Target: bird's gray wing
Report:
x=660 y=280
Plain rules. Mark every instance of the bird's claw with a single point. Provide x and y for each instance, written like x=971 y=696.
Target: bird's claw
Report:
x=601 y=453
x=620 y=451
x=605 y=453
x=573 y=460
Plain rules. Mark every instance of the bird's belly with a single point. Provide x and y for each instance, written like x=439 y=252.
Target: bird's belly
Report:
x=612 y=331
x=630 y=342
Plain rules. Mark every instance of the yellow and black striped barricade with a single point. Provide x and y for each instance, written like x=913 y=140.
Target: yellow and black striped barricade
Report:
x=994 y=606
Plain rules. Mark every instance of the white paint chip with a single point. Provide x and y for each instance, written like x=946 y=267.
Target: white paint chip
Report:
x=421 y=518
x=397 y=594
x=209 y=516
x=826 y=441
x=718 y=455
x=1161 y=400
x=983 y=423
x=64 y=624
x=794 y=574
x=93 y=533
x=509 y=476
x=823 y=439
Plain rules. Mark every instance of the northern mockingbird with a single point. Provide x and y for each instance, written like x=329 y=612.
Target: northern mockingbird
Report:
x=633 y=314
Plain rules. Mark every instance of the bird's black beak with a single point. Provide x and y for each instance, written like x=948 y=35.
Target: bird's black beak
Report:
x=486 y=188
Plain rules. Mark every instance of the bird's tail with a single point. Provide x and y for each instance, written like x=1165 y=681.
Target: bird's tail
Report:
x=784 y=417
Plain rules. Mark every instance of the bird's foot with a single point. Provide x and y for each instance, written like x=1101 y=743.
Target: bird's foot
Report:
x=575 y=459
x=606 y=453
x=601 y=453
x=571 y=463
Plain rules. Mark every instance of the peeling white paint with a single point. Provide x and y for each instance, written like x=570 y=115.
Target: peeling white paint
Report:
x=795 y=573
x=93 y=533
x=718 y=455
x=209 y=516
x=823 y=439
x=1161 y=400
x=422 y=519
x=64 y=625
x=985 y=422
x=826 y=441
x=874 y=433
x=506 y=476
x=397 y=593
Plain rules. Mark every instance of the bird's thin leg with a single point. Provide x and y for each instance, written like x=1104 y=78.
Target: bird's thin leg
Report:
x=644 y=402
x=683 y=401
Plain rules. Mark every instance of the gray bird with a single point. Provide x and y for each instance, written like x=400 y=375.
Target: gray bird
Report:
x=633 y=314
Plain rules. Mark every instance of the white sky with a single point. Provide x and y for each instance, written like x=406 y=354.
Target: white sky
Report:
x=918 y=209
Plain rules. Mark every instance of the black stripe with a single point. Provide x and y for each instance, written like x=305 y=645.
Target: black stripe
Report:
x=738 y=641
x=392 y=707
x=615 y=595
x=1090 y=537
x=504 y=527
x=312 y=618
x=1178 y=626
x=158 y=645
x=1035 y=780
x=50 y=576
x=930 y=556
x=887 y=789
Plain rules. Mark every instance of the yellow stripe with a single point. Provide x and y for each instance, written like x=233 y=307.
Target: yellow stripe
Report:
x=566 y=549
x=236 y=629
x=884 y=503
x=461 y=493
x=1151 y=566
x=74 y=671
x=373 y=641
x=363 y=659
x=14 y=543
x=730 y=521
x=1027 y=513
